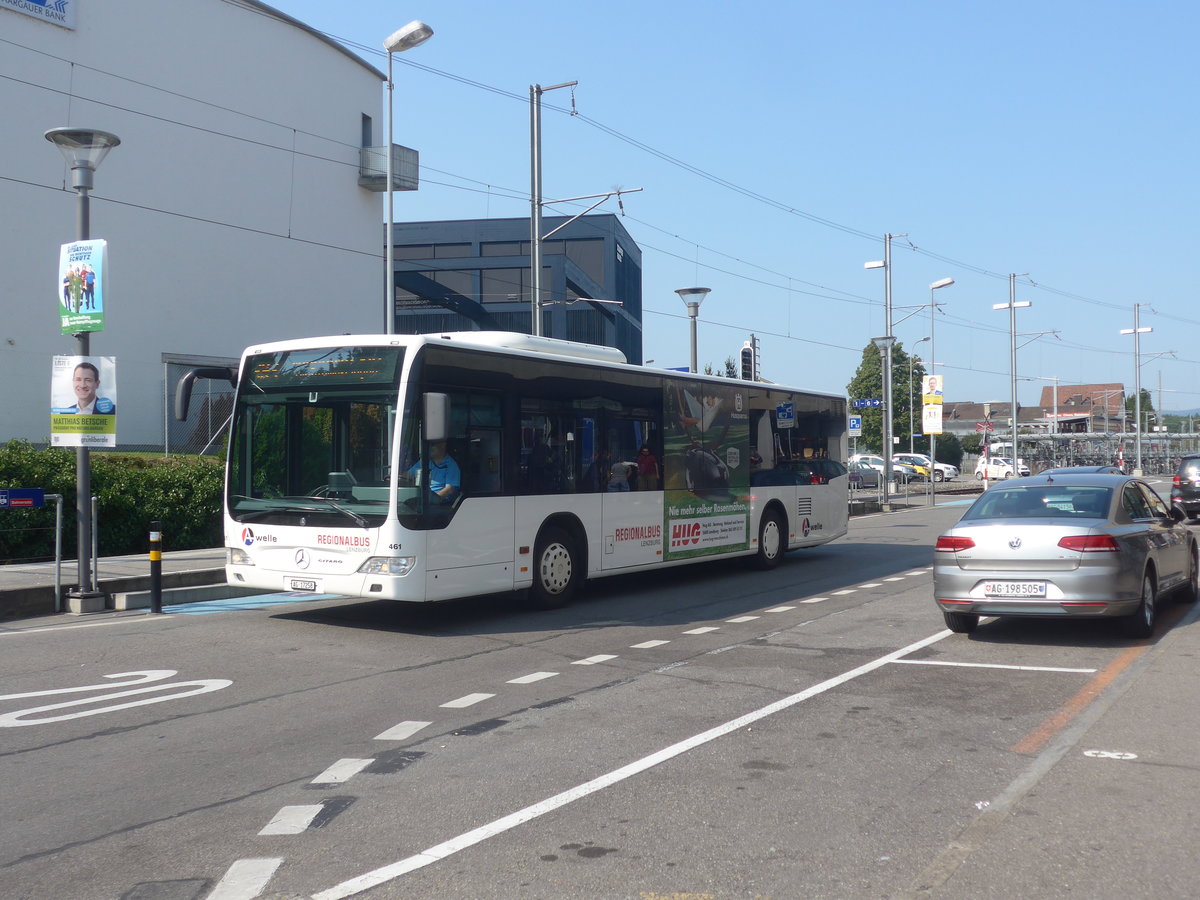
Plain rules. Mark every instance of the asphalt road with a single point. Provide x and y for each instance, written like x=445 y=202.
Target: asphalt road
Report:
x=705 y=732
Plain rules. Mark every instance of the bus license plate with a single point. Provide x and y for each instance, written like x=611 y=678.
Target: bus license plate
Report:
x=1017 y=589
x=297 y=584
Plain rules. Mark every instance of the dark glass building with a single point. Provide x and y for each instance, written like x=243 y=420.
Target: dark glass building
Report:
x=474 y=275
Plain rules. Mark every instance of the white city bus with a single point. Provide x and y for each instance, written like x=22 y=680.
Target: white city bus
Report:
x=328 y=486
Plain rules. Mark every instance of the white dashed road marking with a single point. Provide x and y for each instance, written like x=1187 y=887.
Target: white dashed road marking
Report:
x=703 y=630
x=646 y=645
x=292 y=819
x=741 y=619
x=935 y=662
x=530 y=679
x=342 y=770
x=469 y=700
x=402 y=732
x=780 y=609
x=814 y=600
x=245 y=879
x=592 y=660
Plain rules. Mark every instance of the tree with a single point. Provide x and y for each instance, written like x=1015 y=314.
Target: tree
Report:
x=730 y=369
x=1148 y=412
x=868 y=383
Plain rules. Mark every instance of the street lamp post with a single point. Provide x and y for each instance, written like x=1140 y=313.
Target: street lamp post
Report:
x=911 y=429
x=1137 y=333
x=411 y=35
x=885 y=345
x=693 y=297
x=83 y=150
x=886 y=265
x=1012 y=306
x=935 y=286
x=535 y=200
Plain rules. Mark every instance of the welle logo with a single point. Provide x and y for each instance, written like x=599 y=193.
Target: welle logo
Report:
x=685 y=534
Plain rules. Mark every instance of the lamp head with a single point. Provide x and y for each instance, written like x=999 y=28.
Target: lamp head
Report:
x=941 y=283
x=411 y=35
x=884 y=343
x=693 y=296
x=876 y=264
x=83 y=149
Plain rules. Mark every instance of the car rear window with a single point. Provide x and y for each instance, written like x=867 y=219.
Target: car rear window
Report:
x=1048 y=501
x=1190 y=468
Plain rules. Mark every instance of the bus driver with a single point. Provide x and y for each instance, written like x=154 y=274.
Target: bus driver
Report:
x=445 y=479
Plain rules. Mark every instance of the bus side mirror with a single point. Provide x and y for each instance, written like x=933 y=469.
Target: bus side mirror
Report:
x=437 y=416
x=183 y=390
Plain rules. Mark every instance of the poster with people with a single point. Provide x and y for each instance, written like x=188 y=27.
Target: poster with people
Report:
x=706 y=468
x=80 y=286
x=83 y=401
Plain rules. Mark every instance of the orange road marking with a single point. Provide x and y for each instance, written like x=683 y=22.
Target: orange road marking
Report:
x=1040 y=736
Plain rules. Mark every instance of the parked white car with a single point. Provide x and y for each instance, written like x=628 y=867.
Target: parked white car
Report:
x=901 y=472
x=941 y=471
x=998 y=467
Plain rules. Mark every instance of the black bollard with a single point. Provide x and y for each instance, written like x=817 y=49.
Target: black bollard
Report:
x=156 y=567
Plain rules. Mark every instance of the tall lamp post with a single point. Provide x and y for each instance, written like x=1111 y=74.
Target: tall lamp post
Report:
x=693 y=297
x=885 y=345
x=1137 y=333
x=84 y=150
x=886 y=265
x=411 y=35
x=911 y=429
x=1012 y=306
x=936 y=286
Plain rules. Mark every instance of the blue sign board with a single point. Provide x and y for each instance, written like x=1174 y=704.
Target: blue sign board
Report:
x=866 y=404
x=22 y=498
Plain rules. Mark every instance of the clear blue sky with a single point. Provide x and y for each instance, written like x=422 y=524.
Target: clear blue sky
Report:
x=1056 y=139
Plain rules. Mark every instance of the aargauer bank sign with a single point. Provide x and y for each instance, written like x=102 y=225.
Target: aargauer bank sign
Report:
x=57 y=12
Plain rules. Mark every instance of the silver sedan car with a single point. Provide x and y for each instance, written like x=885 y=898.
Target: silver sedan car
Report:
x=1064 y=545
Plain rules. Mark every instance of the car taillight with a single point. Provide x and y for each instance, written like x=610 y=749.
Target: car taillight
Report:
x=1090 y=543
x=951 y=544
x=1177 y=482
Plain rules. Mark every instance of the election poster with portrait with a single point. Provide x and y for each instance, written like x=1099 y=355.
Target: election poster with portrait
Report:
x=80 y=286
x=83 y=401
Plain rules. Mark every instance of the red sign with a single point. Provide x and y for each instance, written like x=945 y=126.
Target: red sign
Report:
x=984 y=426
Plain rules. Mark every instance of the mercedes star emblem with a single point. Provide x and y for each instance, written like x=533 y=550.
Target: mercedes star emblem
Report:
x=302 y=559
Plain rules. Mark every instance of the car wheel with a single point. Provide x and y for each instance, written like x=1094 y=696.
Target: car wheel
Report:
x=960 y=623
x=1141 y=623
x=555 y=570
x=939 y=476
x=772 y=541
x=1190 y=590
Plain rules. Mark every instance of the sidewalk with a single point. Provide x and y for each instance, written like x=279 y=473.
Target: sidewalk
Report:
x=27 y=589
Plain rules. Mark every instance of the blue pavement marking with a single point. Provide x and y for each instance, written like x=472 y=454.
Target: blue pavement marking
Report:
x=958 y=503
x=259 y=601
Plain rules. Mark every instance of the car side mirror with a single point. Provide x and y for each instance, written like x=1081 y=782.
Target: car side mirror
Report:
x=1178 y=514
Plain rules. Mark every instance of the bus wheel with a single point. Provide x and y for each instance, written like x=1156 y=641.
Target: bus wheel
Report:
x=556 y=570
x=772 y=541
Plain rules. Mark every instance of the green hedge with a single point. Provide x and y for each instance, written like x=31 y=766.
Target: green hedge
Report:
x=184 y=493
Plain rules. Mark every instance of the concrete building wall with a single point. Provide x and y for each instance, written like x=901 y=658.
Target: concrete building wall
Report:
x=232 y=207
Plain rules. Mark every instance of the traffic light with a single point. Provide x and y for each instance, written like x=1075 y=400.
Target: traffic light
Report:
x=748 y=366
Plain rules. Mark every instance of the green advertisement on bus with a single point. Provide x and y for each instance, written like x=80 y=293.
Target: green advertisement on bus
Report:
x=706 y=468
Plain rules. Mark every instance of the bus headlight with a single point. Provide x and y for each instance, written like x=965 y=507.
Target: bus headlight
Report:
x=236 y=556
x=388 y=565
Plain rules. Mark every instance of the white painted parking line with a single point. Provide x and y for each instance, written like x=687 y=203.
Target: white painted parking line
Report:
x=475 y=836
x=532 y=677
x=815 y=600
x=779 y=609
x=292 y=819
x=871 y=584
x=840 y=593
x=704 y=630
x=342 y=770
x=898 y=578
x=592 y=660
x=740 y=619
x=646 y=645
x=469 y=700
x=934 y=662
x=402 y=732
x=245 y=879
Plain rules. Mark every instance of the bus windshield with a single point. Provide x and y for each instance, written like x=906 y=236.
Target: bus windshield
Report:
x=312 y=436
